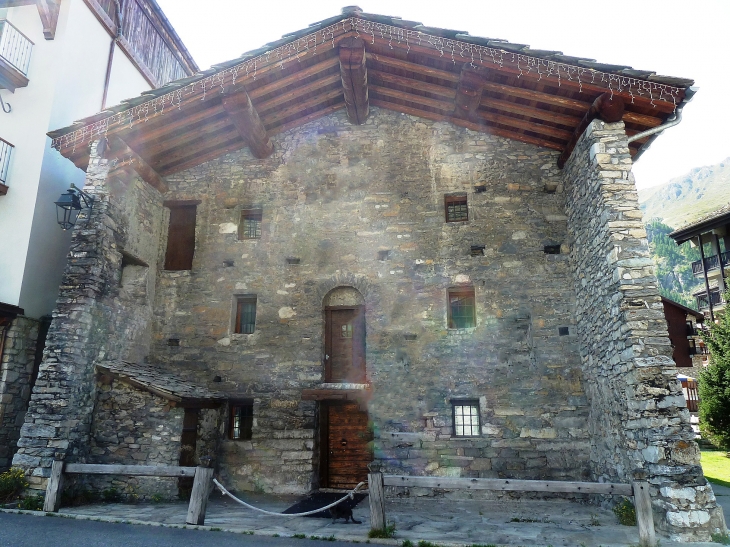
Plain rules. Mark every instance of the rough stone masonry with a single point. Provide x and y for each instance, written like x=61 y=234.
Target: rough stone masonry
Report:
x=566 y=364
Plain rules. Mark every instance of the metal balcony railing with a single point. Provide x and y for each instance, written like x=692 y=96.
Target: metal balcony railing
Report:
x=703 y=303
x=6 y=149
x=711 y=263
x=15 y=47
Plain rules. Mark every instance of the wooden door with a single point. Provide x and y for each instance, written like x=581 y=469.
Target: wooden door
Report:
x=188 y=440
x=346 y=446
x=345 y=344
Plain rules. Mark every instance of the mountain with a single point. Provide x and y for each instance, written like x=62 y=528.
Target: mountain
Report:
x=688 y=197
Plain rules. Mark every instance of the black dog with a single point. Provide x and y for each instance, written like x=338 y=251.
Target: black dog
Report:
x=342 y=512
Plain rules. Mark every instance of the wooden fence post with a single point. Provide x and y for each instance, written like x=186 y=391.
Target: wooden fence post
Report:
x=377 y=501
x=54 y=488
x=644 y=514
x=199 y=495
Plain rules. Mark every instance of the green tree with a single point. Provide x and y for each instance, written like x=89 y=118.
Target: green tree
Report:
x=673 y=263
x=714 y=384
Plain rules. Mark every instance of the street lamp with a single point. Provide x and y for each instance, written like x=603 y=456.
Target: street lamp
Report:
x=69 y=205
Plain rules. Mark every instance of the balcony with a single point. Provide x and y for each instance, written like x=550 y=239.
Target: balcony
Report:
x=712 y=263
x=703 y=303
x=15 y=50
x=6 y=149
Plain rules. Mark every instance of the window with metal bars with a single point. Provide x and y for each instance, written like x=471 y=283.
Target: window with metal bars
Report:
x=250 y=225
x=461 y=309
x=466 y=418
x=245 y=314
x=456 y=208
x=241 y=421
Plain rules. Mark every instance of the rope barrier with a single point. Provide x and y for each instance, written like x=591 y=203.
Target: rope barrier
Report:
x=234 y=498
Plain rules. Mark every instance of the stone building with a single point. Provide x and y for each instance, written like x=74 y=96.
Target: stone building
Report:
x=372 y=241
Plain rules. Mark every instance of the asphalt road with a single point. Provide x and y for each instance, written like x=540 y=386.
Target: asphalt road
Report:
x=33 y=531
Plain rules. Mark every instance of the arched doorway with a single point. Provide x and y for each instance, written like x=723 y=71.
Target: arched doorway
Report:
x=344 y=335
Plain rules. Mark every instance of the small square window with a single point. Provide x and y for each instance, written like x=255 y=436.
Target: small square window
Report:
x=462 y=310
x=456 y=208
x=245 y=315
x=250 y=225
x=466 y=418
x=241 y=421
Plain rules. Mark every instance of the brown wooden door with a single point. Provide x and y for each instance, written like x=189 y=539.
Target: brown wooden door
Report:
x=347 y=450
x=345 y=345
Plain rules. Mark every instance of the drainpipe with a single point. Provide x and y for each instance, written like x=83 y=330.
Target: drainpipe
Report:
x=111 y=53
x=671 y=123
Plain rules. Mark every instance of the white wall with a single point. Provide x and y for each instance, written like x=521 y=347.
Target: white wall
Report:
x=66 y=83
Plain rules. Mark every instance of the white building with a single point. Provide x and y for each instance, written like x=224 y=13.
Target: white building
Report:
x=60 y=60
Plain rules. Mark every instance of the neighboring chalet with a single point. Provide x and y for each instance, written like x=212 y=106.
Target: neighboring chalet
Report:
x=684 y=325
x=372 y=241
x=59 y=60
x=711 y=234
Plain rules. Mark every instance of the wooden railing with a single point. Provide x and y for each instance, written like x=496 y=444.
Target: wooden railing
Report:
x=703 y=301
x=711 y=263
x=639 y=490
x=202 y=483
x=691 y=394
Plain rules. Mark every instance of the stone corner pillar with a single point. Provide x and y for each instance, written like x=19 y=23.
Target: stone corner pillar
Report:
x=639 y=423
x=59 y=415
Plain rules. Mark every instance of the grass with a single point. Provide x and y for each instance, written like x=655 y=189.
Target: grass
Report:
x=388 y=532
x=716 y=467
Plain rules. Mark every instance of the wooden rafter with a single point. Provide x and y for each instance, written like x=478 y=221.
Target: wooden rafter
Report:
x=204 y=154
x=284 y=113
x=192 y=148
x=354 y=79
x=245 y=118
x=296 y=93
x=129 y=159
x=308 y=118
x=484 y=128
x=417 y=85
x=180 y=139
x=49 y=11
x=298 y=76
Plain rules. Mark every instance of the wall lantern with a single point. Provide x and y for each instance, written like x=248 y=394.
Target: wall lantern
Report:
x=69 y=205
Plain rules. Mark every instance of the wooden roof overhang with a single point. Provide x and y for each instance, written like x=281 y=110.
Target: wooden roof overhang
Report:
x=358 y=60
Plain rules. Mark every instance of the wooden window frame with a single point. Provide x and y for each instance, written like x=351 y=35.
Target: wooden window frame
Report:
x=255 y=215
x=175 y=259
x=453 y=200
x=244 y=431
x=239 y=302
x=471 y=404
x=463 y=292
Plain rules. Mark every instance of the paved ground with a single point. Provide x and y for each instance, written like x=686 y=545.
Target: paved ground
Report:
x=447 y=522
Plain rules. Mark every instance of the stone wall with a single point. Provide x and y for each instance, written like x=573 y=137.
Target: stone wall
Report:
x=639 y=425
x=132 y=426
x=100 y=314
x=334 y=195
x=16 y=371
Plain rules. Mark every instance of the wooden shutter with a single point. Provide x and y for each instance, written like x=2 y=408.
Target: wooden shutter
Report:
x=181 y=238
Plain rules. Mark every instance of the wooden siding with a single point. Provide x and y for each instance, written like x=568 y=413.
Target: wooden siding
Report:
x=146 y=40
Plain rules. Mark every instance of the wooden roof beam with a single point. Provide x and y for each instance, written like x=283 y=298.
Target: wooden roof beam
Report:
x=354 y=79
x=129 y=159
x=469 y=92
x=49 y=11
x=242 y=113
x=608 y=107
x=474 y=126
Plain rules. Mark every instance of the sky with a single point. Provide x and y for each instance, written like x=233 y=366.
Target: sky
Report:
x=669 y=37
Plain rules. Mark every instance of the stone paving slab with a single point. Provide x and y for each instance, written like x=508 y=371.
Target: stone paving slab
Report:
x=445 y=522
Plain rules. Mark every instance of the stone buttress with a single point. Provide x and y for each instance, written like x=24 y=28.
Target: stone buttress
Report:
x=639 y=423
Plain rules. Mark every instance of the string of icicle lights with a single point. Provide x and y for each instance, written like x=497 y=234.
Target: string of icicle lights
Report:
x=400 y=38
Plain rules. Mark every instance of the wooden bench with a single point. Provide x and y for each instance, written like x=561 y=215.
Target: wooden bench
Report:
x=639 y=490
x=202 y=482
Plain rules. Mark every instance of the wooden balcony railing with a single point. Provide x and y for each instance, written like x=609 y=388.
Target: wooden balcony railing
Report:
x=711 y=263
x=703 y=303
x=15 y=47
